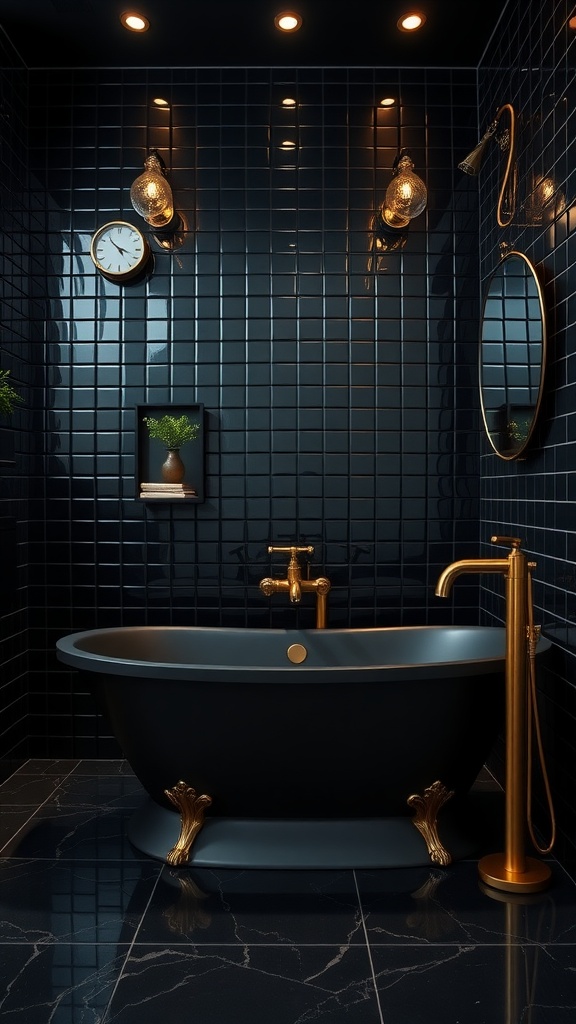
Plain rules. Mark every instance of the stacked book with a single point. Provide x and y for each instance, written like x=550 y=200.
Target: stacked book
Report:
x=153 y=490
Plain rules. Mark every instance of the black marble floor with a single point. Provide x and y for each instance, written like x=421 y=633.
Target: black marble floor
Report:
x=93 y=932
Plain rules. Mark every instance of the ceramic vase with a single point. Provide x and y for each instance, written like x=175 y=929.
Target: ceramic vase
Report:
x=173 y=468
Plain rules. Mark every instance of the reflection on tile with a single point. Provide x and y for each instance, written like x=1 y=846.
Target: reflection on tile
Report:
x=12 y=820
x=73 y=901
x=253 y=907
x=58 y=983
x=27 y=790
x=45 y=766
x=114 y=767
x=101 y=791
x=452 y=905
x=91 y=932
x=475 y=984
x=260 y=984
x=93 y=833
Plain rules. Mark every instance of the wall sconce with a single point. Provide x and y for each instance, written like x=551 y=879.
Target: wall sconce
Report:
x=406 y=198
x=507 y=141
x=151 y=196
x=406 y=195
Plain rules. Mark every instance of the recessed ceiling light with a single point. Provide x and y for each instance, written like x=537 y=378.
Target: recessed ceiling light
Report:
x=134 y=22
x=288 y=101
x=288 y=21
x=411 y=21
x=159 y=102
x=388 y=101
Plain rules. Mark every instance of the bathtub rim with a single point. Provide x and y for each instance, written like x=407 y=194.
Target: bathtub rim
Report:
x=85 y=660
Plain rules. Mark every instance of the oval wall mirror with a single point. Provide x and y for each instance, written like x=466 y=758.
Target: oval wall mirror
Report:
x=512 y=356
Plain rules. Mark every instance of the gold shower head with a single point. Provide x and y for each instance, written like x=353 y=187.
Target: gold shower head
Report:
x=471 y=164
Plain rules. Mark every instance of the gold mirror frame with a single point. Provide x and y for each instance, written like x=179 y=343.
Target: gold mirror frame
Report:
x=512 y=355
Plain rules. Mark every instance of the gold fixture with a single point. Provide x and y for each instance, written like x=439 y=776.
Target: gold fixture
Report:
x=544 y=203
x=512 y=870
x=533 y=634
x=405 y=198
x=295 y=586
x=151 y=196
x=506 y=207
x=425 y=819
x=406 y=194
x=134 y=21
x=411 y=22
x=288 y=21
x=191 y=809
x=188 y=913
x=297 y=653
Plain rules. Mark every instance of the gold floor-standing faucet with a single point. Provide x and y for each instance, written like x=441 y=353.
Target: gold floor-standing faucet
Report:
x=295 y=586
x=512 y=870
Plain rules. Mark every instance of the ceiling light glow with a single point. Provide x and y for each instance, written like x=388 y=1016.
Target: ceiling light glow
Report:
x=410 y=22
x=134 y=22
x=388 y=101
x=288 y=21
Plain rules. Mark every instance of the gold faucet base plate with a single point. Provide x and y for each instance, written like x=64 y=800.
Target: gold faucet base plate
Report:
x=493 y=872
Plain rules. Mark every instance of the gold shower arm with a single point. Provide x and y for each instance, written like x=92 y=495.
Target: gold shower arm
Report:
x=510 y=170
x=471 y=164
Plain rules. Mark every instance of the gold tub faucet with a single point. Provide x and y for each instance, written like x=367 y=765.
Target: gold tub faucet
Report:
x=511 y=870
x=295 y=586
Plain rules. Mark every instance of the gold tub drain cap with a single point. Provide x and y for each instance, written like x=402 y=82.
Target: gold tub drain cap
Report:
x=297 y=653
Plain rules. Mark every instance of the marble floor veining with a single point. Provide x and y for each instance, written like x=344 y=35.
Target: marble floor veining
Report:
x=94 y=932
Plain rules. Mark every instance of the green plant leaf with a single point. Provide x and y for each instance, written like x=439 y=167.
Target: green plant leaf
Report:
x=173 y=431
x=8 y=396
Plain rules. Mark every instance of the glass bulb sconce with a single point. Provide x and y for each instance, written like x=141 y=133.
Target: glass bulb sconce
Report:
x=151 y=195
x=152 y=198
x=406 y=195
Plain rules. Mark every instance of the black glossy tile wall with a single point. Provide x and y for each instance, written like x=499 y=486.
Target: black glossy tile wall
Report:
x=339 y=394
x=23 y=357
x=530 y=64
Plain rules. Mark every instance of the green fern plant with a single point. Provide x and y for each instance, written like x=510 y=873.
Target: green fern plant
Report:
x=173 y=431
x=8 y=396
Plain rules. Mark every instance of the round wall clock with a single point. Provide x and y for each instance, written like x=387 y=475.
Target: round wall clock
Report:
x=119 y=250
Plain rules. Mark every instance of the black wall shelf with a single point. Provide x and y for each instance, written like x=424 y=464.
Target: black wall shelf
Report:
x=7 y=457
x=151 y=453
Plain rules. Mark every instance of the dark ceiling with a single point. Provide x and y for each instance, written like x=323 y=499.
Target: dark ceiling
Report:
x=224 y=33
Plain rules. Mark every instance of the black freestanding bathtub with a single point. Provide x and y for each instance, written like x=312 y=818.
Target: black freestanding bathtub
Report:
x=299 y=748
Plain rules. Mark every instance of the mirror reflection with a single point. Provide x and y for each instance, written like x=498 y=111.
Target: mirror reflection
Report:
x=512 y=355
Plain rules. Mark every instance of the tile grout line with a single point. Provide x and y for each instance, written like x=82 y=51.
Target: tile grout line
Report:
x=368 y=949
x=38 y=806
x=130 y=948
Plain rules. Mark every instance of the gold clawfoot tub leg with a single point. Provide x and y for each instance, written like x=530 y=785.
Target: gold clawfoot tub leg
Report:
x=191 y=809
x=427 y=808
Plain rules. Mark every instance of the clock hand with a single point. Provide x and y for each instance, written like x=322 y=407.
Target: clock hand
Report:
x=120 y=249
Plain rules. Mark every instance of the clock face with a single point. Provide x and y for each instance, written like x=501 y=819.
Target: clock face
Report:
x=119 y=250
